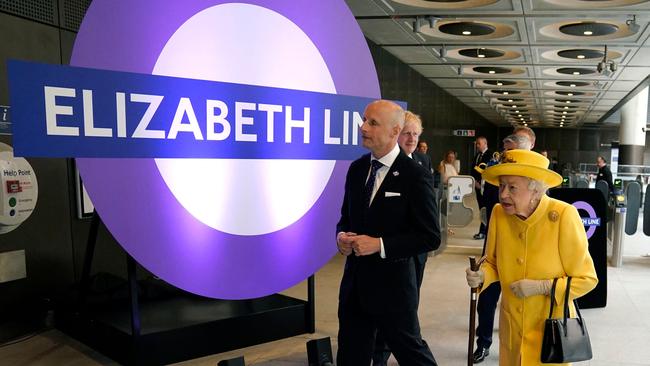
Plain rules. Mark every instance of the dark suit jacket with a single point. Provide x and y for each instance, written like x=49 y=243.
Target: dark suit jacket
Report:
x=407 y=225
x=424 y=160
x=487 y=155
x=605 y=174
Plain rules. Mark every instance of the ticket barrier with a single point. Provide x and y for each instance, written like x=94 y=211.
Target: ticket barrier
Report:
x=454 y=213
x=592 y=207
x=626 y=218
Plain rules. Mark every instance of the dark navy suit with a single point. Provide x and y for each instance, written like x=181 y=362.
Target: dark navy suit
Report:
x=381 y=294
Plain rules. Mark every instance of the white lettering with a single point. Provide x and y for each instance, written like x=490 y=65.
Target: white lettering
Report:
x=357 y=121
x=120 y=109
x=328 y=139
x=240 y=120
x=185 y=108
x=52 y=110
x=212 y=119
x=270 y=110
x=141 y=130
x=89 y=118
x=290 y=123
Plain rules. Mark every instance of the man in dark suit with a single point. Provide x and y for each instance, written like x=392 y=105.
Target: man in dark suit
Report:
x=408 y=142
x=483 y=155
x=387 y=218
x=604 y=173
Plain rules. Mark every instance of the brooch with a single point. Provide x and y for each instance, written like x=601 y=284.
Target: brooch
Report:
x=553 y=216
x=395 y=173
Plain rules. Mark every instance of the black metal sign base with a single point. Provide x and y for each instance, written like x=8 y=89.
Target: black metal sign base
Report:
x=153 y=330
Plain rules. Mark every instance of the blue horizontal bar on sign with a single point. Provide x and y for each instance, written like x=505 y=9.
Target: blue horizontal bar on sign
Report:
x=63 y=111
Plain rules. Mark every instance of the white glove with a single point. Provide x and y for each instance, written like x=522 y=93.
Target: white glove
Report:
x=474 y=279
x=524 y=288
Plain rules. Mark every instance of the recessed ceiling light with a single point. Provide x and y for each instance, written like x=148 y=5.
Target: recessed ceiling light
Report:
x=517 y=111
x=564 y=112
x=568 y=102
x=466 y=33
x=510 y=100
x=519 y=115
x=491 y=72
x=566 y=107
x=580 y=56
x=587 y=33
x=573 y=85
x=570 y=94
x=576 y=73
x=480 y=55
x=499 y=83
x=505 y=93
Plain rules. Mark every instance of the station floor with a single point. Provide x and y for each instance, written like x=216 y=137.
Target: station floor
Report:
x=620 y=332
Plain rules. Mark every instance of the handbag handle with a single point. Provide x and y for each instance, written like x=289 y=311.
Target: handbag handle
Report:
x=566 y=305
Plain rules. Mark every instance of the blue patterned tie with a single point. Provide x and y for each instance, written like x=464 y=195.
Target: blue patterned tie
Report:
x=370 y=184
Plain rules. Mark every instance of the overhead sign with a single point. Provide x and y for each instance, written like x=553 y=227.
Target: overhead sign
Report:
x=79 y=112
x=243 y=214
x=470 y=133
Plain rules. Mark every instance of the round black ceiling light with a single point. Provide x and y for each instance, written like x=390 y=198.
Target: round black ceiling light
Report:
x=568 y=101
x=588 y=29
x=459 y=1
x=581 y=54
x=500 y=82
x=572 y=84
x=569 y=93
x=506 y=92
x=467 y=29
x=510 y=100
x=563 y=107
x=491 y=70
x=481 y=52
x=575 y=71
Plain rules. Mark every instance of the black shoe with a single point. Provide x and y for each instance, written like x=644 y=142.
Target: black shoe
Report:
x=479 y=236
x=480 y=354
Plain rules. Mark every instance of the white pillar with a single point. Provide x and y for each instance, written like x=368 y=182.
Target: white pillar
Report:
x=631 y=135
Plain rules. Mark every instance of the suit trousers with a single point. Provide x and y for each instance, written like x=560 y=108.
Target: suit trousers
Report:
x=481 y=203
x=401 y=332
x=486 y=307
x=382 y=351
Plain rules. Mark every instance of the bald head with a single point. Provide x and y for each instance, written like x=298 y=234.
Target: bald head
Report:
x=383 y=121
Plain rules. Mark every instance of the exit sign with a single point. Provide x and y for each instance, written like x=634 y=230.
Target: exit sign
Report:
x=470 y=133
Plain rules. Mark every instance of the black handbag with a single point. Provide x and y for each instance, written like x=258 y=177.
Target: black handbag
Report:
x=566 y=339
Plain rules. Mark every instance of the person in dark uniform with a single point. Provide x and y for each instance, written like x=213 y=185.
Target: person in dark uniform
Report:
x=483 y=156
x=388 y=217
x=604 y=173
x=487 y=301
x=408 y=142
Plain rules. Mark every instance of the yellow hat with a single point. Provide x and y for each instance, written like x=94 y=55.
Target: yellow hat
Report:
x=523 y=163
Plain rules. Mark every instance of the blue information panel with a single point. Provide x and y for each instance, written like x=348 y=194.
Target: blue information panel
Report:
x=63 y=111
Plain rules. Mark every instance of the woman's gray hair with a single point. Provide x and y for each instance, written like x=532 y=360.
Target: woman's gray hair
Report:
x=518 y=141
x=538 y=186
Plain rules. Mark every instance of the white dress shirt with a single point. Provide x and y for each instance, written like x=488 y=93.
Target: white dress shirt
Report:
x=388 y=161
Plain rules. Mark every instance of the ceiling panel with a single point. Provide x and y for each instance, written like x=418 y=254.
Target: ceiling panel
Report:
x=542 y=51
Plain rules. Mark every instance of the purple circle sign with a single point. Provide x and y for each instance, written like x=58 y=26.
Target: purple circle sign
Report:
x=142 y=210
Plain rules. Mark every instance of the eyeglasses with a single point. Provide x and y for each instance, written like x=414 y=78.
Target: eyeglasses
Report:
x=412 y=134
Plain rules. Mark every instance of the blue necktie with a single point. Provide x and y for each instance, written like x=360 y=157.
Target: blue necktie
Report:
x=370 y=184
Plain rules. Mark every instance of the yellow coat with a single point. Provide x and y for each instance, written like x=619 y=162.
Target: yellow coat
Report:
x=551 y=243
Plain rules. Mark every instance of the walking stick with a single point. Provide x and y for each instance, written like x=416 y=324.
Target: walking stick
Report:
x=473 y=265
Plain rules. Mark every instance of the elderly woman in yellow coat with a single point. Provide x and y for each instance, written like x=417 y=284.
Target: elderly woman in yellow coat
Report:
x=532 y=239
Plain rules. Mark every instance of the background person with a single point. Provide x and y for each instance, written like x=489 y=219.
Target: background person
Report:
x=449 y=167
x=532 y=239
x=604 y=173
x=388 y=217
x=482 y=156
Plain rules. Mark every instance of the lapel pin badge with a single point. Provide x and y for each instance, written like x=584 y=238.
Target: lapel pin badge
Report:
x=395 y=173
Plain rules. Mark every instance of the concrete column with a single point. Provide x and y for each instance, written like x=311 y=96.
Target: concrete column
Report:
x=631 y=135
